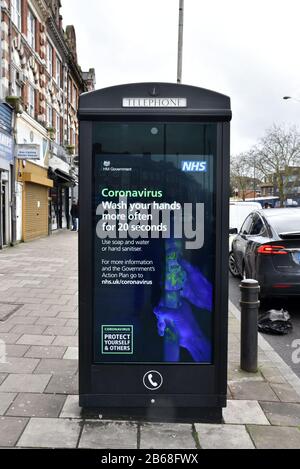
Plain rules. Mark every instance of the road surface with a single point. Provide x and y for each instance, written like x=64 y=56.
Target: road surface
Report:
x=281 y=344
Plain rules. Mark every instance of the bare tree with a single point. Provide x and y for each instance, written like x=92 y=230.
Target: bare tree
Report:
x=276 y=156
x=241 y=174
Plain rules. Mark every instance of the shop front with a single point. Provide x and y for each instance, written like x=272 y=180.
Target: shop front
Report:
x=6 y=165
x=60 y=194
x=35 y=200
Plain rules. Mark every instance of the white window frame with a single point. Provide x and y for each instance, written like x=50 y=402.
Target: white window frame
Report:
x=31 y=28
x=16 y=85
x=50 y=58
x=74 y=100
x=58 y=129
x=49 y=116
x=58 y=72
x=31 y=101
x=16 y=13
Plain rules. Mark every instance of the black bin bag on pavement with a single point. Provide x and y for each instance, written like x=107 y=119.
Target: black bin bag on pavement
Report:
x=275 y=322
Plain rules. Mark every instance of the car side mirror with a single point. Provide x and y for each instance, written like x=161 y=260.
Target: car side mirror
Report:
x=233 y=231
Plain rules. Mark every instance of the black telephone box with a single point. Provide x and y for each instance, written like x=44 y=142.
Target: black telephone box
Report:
x=153 y=251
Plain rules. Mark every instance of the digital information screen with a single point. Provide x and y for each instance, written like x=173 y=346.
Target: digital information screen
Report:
x=154 y=242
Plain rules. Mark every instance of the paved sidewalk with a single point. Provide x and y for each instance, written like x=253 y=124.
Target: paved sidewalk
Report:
x=38 y=381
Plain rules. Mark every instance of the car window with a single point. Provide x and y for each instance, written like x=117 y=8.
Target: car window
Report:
x=257 y=226
x=245 y=230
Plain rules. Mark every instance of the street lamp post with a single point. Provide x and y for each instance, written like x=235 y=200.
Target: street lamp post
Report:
x=180 y=41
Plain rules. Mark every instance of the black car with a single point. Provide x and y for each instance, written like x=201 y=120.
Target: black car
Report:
x=267 y=249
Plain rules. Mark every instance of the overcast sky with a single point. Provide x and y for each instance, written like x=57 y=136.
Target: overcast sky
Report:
x=246 y=49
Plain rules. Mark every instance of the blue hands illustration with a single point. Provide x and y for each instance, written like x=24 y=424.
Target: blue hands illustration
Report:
x=196 y=289
x=175 y=318
x=188 y=331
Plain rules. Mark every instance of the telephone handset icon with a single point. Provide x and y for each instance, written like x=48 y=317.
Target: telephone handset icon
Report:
x=152 y=380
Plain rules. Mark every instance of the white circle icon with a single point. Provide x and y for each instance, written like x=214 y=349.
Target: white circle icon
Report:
x=153 y=380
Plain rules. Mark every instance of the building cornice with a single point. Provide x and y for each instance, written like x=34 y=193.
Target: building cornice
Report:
x=58 y=36
x=66 y=49
x=44 y=9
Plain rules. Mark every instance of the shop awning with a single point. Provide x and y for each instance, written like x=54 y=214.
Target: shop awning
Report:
x=61 y=177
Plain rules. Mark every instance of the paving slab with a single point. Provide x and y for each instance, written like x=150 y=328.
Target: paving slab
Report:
x=28 y=329
x=109 y=435
x=6 y=398
x=6 y=327
x=56 y=366
x=171 y=436
x=3 y=376
x=272 y=374
x=50 y=433
x=271 y=437
x=252 y=390
x=281 y=413
x=16 y=351
x=51 y=321
x=18 y=365
x=285 y=392
x=68 y=315
x=36 y=405
x=71 y=408
x=236 y=374
x=223 y=436
x=10 y=430
x=71 y=353
x=10 y=338
x=38 y=351
x=66 y=341
x=28 y=339
x=25 y=320
x=244 y=412
x=25 y=383
x=62 y=384
x=57 y=330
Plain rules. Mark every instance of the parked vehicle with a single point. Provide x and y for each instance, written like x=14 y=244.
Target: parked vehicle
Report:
x=267 y=248
x=238 y=211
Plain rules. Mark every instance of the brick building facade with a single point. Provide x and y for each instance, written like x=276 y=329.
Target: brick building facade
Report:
x=41 y=80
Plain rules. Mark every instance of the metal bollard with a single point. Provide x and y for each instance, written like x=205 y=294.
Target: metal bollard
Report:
x=249 y=318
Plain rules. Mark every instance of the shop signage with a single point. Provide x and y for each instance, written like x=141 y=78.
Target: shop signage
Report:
x=6 y=147
x=28 y=152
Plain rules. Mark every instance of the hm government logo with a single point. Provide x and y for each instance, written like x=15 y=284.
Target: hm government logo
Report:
x=194 y=166
x=107 y=166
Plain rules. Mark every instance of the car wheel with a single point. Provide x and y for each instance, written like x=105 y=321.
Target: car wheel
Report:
x=232 y=265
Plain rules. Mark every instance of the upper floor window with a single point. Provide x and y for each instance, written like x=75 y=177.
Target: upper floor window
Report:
x=58 y=130
x=50 y=59
x=49 y=116
x=31 y=29
x=74 y=101
x=16 y=12
x=31 y=101
x=16 y=83
x=58 y=72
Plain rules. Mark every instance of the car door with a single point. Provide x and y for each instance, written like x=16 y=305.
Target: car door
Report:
x=240 y=242
x=257 y=236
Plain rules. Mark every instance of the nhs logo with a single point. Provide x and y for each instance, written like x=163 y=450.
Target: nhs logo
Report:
x=194 y=166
